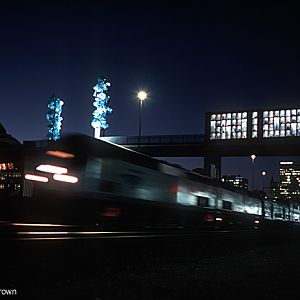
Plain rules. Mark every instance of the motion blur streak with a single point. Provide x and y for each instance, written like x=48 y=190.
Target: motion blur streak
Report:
x=39 y=225
x=36 y=178
x=43 y=232
x=52 y=169
x=70 y=232
x=94 y=237
x=60 y=154
x=65 y=178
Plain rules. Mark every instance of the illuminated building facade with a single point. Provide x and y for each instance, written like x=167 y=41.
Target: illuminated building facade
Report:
x=254 y=124
x=10 y=179
x=11 y=162
x=228 y=126
x=236 y=180
x=275 y=189
x=289 y=180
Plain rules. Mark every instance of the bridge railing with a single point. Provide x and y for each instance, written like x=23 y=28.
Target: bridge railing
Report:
x=156 y=139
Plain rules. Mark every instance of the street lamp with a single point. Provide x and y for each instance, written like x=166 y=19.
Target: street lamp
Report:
x=253 y=156
x=263 y=173
x=142 y=95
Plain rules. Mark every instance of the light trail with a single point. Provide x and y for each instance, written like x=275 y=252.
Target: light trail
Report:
x=72 y=235
x=93 y=237
x=38 y=224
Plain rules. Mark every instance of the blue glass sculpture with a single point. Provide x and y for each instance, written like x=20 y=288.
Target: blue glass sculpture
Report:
x=54 y=117
x=99 y=120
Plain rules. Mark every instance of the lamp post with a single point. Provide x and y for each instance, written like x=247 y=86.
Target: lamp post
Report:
x=263 y=173
x=253 y=156
x=142 y=95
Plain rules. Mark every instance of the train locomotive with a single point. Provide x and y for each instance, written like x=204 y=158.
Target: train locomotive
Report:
x=82 y=180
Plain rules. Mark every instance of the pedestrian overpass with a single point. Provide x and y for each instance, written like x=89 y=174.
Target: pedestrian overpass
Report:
x=199 y=145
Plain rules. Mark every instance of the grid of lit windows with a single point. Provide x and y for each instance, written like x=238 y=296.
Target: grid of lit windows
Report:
x=6 y=166
x=281 y=123
x=254 y=124
x=10 y=179
x=228 y=126
x=289 y=174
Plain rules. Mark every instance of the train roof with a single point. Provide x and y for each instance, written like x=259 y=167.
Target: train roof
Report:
x=83 y=146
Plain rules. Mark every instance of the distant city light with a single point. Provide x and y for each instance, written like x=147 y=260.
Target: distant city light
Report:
x=99 y=120
x=54 y=118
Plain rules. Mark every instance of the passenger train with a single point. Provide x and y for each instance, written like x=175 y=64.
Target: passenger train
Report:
x=88 y=181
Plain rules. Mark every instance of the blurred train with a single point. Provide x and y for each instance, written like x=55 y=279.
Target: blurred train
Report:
x=83 y=180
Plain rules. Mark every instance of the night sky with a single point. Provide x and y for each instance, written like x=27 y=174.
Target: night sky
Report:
x=192 y=57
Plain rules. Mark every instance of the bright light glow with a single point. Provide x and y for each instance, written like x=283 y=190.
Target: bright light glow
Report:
x=142 y=95
x=36 y=178
x=256 y=221
x=65 y=178
x=253 y=156
x=286 y=162
x=60 y=154
x=219 y=219
x=52 y=169
x=263 y=173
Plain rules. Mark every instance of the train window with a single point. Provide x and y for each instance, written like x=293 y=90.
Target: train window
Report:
x=227 y=205
x=202 y=201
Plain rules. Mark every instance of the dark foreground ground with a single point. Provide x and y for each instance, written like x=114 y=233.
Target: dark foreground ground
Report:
x=208 y=266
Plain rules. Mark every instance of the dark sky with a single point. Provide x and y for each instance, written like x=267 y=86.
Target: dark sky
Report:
x=191 y=56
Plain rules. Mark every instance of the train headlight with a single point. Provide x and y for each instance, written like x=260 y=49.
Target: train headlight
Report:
x=65 y=178
x=52 y=169
x=33 y=177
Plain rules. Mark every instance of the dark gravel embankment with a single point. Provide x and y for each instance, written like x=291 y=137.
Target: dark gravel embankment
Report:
x=218 y=266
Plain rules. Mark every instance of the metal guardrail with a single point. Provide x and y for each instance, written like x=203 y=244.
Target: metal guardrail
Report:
x=156 y=139
x=134 y=140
